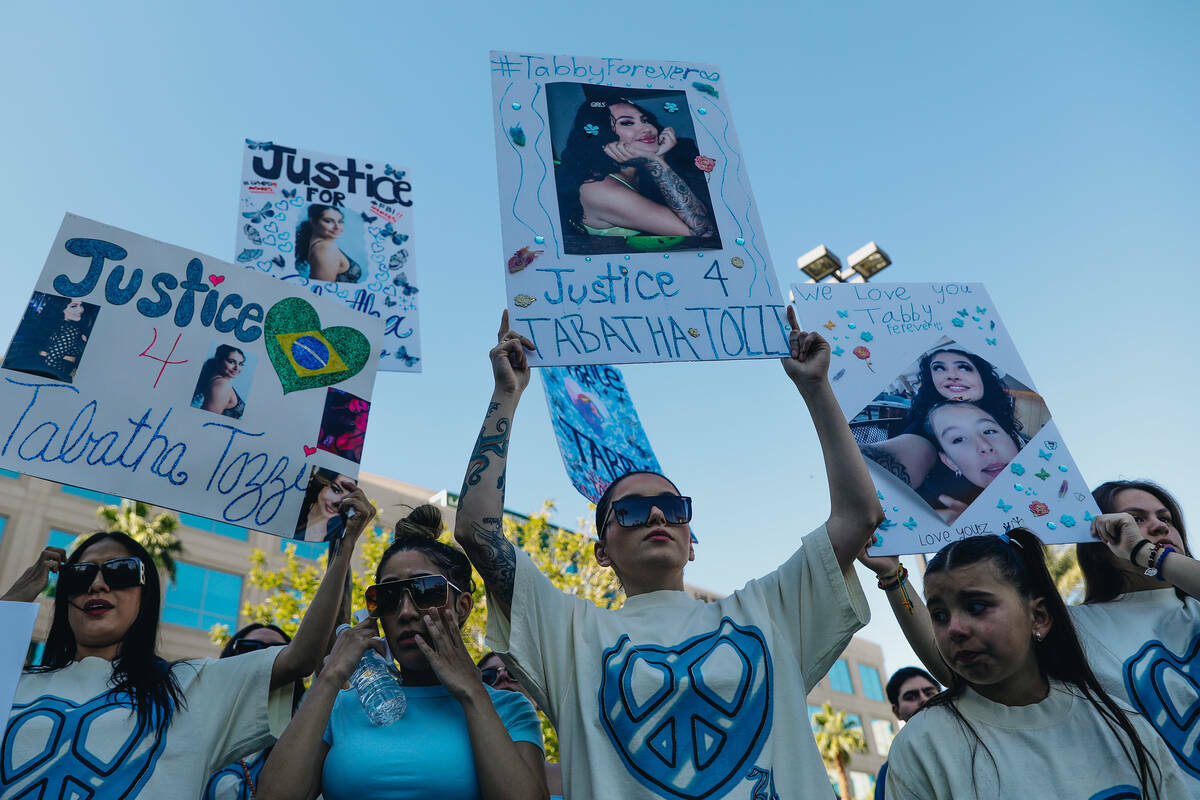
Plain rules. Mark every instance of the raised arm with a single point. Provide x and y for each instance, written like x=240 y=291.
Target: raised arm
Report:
x=308 y=646
x=1121 y=533
x=479 y=523
x=913 y=618
x=854 y=510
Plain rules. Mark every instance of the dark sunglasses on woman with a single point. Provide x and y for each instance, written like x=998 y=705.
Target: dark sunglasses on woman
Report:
x=118 y=573
x=491 y=675
x=425 y=591
x=632 y=511
x=243 y=646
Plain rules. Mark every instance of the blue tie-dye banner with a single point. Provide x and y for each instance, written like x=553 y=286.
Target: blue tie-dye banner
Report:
x=598 y=430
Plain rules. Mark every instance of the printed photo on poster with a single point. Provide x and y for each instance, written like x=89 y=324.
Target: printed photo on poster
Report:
x=344 y=425
x=321 y=252
x=225 y=380
x=320 y=519
x=52 y=336
x=628 y=174
x=949 y=425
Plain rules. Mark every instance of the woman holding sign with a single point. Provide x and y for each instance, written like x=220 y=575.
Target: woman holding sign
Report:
x=640 y=695
x=126 y=718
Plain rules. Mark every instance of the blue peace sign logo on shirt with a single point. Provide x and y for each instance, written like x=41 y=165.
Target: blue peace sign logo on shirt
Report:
x=1123 y=792
x=72 y=761
x=686 y=720
x=1165 y=689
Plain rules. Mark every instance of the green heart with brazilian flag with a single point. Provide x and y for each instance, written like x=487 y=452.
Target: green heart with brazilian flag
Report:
x=307 y=356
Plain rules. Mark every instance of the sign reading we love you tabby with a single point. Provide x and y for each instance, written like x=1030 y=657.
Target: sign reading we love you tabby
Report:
x=149 y=371
x=629 y=230
x=339 y=226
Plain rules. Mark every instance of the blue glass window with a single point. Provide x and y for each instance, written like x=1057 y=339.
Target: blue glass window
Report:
x=3 y=522
x=63 y=539
x=868 y=676
x=856 y=721
x=812 y=712
x=99 y=497
x=8 y=473
x=309 y=550
x=839 y=677
x=214 y=526
x=201 y=597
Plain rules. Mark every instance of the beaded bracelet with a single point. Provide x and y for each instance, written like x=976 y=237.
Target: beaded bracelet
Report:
x=901 y=575
x=1151 y=570
x=1162 y=557
x=1133 y=553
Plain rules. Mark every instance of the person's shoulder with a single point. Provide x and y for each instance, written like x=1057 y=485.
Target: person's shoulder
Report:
x=509 y=704
x=928 y=724
x=604 y=188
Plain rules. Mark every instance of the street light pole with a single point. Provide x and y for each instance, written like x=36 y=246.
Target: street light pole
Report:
x=821 y=263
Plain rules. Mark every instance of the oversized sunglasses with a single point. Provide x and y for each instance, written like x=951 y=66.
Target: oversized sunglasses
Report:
x=118 y=573
x=491 y=675
x=425 y=591
x=632 y=511
x=243 y=646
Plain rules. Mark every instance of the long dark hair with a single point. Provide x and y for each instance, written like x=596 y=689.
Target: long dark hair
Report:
x=213 y=365
x=583 y=159
x=1102 y=579
x=419 y=531
x=996 y=400
x=139 y=675
x=304 y=232
x=1019 y=560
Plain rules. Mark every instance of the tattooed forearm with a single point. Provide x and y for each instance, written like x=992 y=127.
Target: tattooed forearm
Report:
x=681 y=198
x=888 y=462
x=493 y=556
x=495 y=444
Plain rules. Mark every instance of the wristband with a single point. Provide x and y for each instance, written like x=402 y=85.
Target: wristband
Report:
x=901 y=575
x=1161 y=559
x=1133 y=553
x=1151 y=569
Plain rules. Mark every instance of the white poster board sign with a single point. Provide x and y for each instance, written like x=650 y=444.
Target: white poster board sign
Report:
x=957 y=438
x=629 y=229
x=16 y=626
x=339 y=226
x=152 y=372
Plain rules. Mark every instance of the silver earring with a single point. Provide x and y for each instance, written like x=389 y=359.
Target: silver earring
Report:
x=1037 y=635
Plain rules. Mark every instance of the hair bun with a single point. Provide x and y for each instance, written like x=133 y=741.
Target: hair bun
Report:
x=424 y=521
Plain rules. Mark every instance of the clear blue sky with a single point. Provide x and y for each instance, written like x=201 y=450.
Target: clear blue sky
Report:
x=1049 y=152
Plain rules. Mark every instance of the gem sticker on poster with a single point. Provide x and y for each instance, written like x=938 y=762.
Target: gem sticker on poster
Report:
x=339 y=227
x=629 y=230
x=148 y=371
x=957 y=438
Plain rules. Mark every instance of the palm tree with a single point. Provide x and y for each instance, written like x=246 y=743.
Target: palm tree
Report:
x=838 y=737
x=157 y=535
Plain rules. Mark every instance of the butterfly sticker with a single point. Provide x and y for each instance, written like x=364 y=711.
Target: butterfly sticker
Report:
x=257 y=216
x=990 y=341
x=367 y=218
x=248 y=255
x=252 y=234
x=289 y=193
x=391 y=172
x=405 y=287
x=402 y=355
x=278 y=261
x=398 y=259
x=388 y=232
x=389 y=302
x=253 y=145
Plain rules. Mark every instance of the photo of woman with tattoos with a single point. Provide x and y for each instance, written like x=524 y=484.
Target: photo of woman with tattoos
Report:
x=628 y=171
x=899 y=432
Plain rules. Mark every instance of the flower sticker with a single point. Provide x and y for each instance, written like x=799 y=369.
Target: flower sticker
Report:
x=705 y=164
x=591 y=130
x=862 y=352
x=1038 y=509
x=670 y=108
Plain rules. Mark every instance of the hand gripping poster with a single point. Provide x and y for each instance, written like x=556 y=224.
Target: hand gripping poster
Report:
x=953 y=430
x=339 y=227
x=630 y=233
x=152 y=372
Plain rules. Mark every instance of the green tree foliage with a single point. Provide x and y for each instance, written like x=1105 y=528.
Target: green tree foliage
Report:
x=1064 y=569
x=563 y=556
x=838 y=738
x=156 y=534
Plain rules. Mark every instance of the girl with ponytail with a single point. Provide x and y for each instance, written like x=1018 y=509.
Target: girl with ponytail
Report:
x=1024 y=715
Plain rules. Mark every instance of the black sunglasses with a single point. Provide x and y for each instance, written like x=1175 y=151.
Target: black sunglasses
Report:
x=243 y=646
x=632 y=511
x=426 y=592
x=491 y=675
x=119 y=573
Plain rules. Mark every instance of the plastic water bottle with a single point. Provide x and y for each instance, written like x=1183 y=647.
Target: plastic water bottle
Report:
x=377 y=682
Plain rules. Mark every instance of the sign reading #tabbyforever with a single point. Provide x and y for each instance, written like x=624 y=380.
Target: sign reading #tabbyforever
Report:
x=148 y=371
x=957 y=438
x=597 y=427
x=630 y=233
x=339 y=226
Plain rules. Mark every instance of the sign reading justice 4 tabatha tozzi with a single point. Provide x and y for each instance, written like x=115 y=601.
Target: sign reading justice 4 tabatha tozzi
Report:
x=630 y=233
x=152 y=372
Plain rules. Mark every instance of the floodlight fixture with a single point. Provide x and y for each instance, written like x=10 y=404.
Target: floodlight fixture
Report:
x=868 y=260
x=818 y=263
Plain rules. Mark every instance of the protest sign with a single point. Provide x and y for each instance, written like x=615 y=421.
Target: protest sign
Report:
x=149 y=371
x=629 y=230
x=16 y=626
x=599 y=434
x=339 y=226
x=956 y=437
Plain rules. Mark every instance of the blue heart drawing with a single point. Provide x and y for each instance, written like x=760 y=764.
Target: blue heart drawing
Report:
x=281 y=217
x=376 y=247
x=1165 y=689
x=271 y=226
x=270 y=240
x=265 y=266
x=688 y=720
x=284 y=236
x=281 y=205
x=286 y=247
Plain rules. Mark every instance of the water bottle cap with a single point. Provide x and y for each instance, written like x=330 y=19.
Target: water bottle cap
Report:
x=343 y=627
x=360 y=615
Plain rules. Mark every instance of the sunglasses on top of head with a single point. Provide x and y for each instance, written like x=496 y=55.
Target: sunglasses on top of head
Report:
x=118 y=573
x=426 y=592
x=243 y=646
x=632 y=511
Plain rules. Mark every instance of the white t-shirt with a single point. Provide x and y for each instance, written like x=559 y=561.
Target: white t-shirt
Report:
x=1057 y=748
x=70 y=737
x=1145 y=646
x=677 y=698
